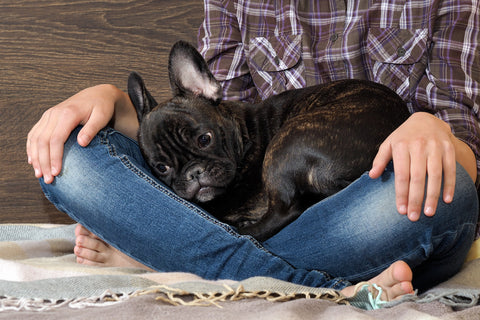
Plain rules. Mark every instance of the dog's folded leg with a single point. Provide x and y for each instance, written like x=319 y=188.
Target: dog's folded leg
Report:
x=282 y=209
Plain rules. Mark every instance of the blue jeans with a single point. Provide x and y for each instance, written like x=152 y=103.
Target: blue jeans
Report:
x=348 y=237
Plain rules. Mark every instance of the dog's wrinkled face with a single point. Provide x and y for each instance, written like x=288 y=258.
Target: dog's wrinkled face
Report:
x=188 y=142
x=190 y=149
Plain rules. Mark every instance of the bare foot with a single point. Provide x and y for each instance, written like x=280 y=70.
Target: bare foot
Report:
x=395 y=281
x=93 y=251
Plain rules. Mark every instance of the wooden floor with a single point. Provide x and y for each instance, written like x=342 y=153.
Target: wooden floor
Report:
x=50 y=50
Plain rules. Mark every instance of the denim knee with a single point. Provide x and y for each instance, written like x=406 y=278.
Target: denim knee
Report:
x=84 y=169
x=66 y=185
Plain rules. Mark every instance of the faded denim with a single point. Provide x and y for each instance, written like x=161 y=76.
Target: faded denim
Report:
x=348 y=237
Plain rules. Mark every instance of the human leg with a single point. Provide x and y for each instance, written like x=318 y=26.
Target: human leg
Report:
x=357 y=233
x=107 y=188
x=85 y=193
x=92 y=197
x=395 y=281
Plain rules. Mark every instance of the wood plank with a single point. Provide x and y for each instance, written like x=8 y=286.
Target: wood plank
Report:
x=50 y=50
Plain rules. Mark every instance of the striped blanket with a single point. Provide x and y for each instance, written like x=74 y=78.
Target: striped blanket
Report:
x=38 y=272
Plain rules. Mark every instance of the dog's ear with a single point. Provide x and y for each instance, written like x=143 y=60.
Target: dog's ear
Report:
x=141 y=98
x=189 y=73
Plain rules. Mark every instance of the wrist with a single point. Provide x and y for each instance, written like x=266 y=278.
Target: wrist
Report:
x=465 y=157
x=463 y=153
x=124 y=117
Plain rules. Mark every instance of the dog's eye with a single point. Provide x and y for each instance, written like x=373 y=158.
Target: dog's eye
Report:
x=161 y=168
x=204 y=140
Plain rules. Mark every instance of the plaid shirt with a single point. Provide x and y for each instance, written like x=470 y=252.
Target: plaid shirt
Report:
x=427 y=51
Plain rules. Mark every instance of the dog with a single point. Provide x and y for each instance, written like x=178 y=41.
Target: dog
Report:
x=258 y=166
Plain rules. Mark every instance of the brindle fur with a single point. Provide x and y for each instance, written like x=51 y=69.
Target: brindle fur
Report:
x=305 y=144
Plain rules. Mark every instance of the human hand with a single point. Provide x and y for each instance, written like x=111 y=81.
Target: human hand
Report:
x=422 y=146
x=93 y=108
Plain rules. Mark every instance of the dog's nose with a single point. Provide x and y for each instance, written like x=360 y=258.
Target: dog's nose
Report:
x=194 y=172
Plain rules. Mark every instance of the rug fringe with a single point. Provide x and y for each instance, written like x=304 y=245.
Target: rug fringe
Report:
x=177 y=297
x=31 y=304
x=166 y=294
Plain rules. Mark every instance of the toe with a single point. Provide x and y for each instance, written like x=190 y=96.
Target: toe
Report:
x=81 y=230
x=401 y=272
x=399 y=290
x=398 y=280
x=88 y=256
x=90 y=243
x=87 y=262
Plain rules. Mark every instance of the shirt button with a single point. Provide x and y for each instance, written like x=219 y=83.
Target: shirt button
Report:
x=334 y=37
x=401 y=52
x=277 y=60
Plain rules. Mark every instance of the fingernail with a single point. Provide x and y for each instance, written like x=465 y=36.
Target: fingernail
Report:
x=83 y=139
x=402 y=209
x=448 y=198
x=37 y=173
x=413 y=216
x=429 y=211
x=54 y=170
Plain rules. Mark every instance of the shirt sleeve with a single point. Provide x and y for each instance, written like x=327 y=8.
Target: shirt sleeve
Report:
x=450 y=87
x=220 y=43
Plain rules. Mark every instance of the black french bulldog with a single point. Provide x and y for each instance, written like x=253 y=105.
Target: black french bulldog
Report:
x=259 y=166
